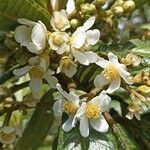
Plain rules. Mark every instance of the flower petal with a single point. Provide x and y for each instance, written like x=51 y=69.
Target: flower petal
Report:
x=113 y=58
x=39 y=35
x=114 y=85
x=84 y=126
x=129 y=115
x=78 y=38
x=52 y=80
x=100 y=81
x=26 y=22
x=58 y=107
x=100 y=124
x=81 y=57
x=74 y=98
x=125 y=75
x=22 y=71
x=70 y=6
x=81 y=110
x=88 y=24
x=102 y=62
x=35 y=85
x=64 y=93
x=67 y=126
x=92 y=36
x=23 y=35
x=33 y=48
x=91 y=56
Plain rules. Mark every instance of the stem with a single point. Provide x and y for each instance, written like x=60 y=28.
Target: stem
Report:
x=7 y=118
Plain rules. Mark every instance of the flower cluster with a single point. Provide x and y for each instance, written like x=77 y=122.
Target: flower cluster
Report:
x=61 y=51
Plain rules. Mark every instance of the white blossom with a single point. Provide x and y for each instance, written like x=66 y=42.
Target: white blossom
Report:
x=112 y=74
x=31 y=35
x=37 y=69
x=69 y=104
x=91 y=113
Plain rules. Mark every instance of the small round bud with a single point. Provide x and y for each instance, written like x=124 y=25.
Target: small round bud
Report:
x=80 y=2
x=74 y=23
x=88 y=8
x=118 y=10
x=100 y=2
x=128 y=6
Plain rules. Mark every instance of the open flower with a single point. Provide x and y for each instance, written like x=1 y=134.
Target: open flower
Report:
x=84 y=37
x=37 y=69
x=31 y=35
x=69 y=104
x=112 y=74
x=67 y=66
x=59 y=41
x=91 y=113
x=134 y=110
x=59 y=21
x=8 y=135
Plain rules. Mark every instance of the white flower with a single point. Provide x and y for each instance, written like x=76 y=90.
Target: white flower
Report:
x=69 y=104
x=59 y=41
x=134 y=110
x=37 y=69
x=78 y=43
x=67 y=66
x=112 y=74
x=31 y=35
x=83 y=37
x=59 y=21
x=91 y=113
x=8 y=135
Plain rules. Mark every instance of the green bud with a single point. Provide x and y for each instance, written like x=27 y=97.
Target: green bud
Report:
x=118 y=10
x=79 y=2
x=128 y=6
x=100 y=2
x=74 y=23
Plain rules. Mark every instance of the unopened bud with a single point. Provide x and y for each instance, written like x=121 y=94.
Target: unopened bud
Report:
x=100 y=2
x=118 y=10
x=128 y=6
x=88 y=8
x=74 y=23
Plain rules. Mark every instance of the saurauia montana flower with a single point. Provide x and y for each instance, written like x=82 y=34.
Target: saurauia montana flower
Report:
x=83 y=37
x=112 y=74
x=37 y=69
x=91 y=113
x=67 y=66
x=60 y=21
x=69 y=104
x=31 y=35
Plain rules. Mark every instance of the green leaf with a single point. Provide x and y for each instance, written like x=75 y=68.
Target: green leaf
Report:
x=41 y=2
x=145 y=26
x=126 y=142
x=10 y=10
x=39 y=124
x=74 y=141
x=142 y=48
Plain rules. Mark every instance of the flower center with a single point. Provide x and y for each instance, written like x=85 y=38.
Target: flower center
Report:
x=60 y=22
x=58 y=40
x=36 y=72
x=65 y=61
x=70 y=108
x=92 y=111
x=111 y=72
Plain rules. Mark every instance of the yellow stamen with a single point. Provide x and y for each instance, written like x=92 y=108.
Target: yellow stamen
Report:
x=111 y=72
x=36 y=72
x=92 y=111
x=70 y=108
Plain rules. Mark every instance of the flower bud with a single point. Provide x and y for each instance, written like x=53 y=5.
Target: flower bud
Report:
x=128 y=6
x=88 y=8
x=100 y=2
x=79 y=2
x=74 y=23
x=118 y=10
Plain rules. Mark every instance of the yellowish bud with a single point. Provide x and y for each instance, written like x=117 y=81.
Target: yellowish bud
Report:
x=128 y=6
x=118 y=10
